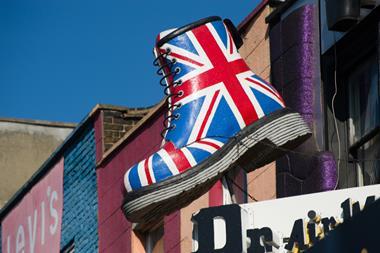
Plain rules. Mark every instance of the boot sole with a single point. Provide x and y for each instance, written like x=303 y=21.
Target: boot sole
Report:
x=256 y=145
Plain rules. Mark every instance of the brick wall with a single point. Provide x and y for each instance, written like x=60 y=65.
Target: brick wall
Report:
x=255 y=49
x=118 y=122
x=80 y=203
x=261 y=183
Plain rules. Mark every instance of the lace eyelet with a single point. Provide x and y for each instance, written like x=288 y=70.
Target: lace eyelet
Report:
x=176 y=116
x=177 y=83
x=177 y=70
x=174 y=60
x=179 y=105
x=180 y=93
x=173 y=126
x=168 y=50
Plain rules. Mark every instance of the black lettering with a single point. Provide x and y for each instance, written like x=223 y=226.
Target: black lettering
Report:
x=205 y=223
x=326 y=225
x=333 y=222
x=256 y=235
x=346 y=206
x=311 y=232
x=297 y=237
x=356 y=206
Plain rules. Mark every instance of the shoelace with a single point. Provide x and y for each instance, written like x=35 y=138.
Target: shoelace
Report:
x=165 y=70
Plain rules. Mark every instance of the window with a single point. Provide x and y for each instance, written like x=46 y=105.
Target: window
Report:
x=148 y=237
x=350 y=75
x=154 y=240
x=364 y=120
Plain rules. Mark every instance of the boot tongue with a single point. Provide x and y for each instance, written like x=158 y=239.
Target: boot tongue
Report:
x=164 y=33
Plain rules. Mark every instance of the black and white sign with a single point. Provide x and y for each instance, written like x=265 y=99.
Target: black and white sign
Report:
x=281 y=225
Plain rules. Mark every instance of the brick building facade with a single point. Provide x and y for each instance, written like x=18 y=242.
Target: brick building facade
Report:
x=79 y=213
x=80 y=204
x=110 y=140
x=261 y=183
x=34 y=141
x=288 y=46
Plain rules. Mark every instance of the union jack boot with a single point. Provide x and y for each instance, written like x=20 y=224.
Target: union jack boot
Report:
x=221 y=114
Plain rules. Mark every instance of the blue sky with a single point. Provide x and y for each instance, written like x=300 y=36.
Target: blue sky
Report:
x=58 y=59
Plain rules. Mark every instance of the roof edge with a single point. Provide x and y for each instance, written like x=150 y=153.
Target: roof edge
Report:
x=47 y=165
x=55 y=156
x=39 y=122
x=122 y=108
x=243 y=25
x=154 y=110
x=275 y=16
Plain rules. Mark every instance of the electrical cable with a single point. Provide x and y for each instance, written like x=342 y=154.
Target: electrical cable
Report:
x=288 y=151
x=334 y=115
x=240 y=188
x=301 y=153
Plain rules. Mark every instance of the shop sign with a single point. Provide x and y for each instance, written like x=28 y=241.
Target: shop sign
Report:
x=34 y=225
x=291 y=224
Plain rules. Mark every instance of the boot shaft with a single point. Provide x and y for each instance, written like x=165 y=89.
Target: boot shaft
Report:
x=194 y=49
x=218 y=119
x=209 y=86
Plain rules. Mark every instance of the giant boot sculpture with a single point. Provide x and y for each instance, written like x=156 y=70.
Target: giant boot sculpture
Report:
x=220 y=114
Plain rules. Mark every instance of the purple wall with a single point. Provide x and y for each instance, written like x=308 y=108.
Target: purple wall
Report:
x=295 y=61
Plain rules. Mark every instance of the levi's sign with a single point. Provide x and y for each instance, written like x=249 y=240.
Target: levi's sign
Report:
x=34 y=225
x=283 y=225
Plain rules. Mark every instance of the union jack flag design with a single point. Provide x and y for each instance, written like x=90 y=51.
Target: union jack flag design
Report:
x=218 y=96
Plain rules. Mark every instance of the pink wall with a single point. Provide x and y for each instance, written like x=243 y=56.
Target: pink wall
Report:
x=115 y=232
x=114 y=229
x=172 y=235
x=34 y=225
